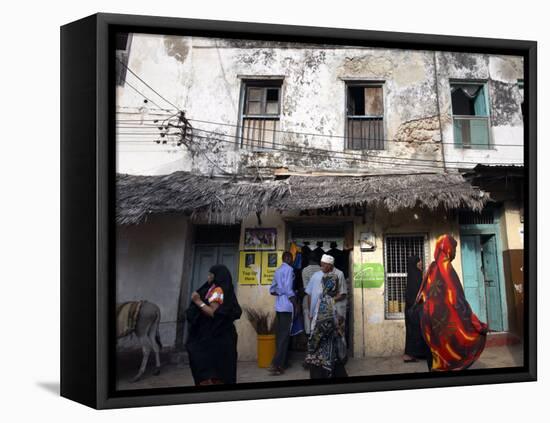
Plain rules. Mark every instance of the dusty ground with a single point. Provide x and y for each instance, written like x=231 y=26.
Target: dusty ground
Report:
x=174 y=375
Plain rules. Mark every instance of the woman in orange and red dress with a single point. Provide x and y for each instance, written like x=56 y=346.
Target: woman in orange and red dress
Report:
x=453 y=332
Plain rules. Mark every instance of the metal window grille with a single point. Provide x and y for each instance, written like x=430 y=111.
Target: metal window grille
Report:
x=474 y=218
x=397 y=250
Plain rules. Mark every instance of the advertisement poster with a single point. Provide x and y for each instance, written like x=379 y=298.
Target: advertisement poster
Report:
x=271 y=260
x=368 y=275
x=250 y=267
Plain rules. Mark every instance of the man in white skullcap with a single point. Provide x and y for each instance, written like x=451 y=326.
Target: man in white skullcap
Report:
x=315 y=289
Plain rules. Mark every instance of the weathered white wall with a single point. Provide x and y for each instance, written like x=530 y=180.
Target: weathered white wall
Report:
x=501 y=73
x=149 y=266
x=204 y=77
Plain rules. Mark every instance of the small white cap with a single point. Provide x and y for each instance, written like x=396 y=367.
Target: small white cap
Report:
x=327 y=259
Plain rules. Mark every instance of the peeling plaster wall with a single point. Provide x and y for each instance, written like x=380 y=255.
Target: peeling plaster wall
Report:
x=204 y=77
x=501 y=73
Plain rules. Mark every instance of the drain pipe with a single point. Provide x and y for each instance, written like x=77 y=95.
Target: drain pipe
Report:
x=436 y=83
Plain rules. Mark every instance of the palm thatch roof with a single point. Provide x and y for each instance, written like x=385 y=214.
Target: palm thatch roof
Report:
x=222 y=200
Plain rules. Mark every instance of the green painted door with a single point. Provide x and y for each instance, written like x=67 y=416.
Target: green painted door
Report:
x=491 y=280
x=473 y=280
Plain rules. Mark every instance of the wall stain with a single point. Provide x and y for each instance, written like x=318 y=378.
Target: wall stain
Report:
x=505 y=104
x=176 y=47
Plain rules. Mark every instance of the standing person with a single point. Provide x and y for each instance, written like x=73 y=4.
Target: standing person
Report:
x=327 y=350
x=338 y=256
x=308 y=271
x=285 y=304
x=415 y=346
x=318 y=251
x=306 y=254
x=453 y=332
x=212 y=341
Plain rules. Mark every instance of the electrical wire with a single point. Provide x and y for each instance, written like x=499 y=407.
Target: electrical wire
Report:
x=386 y=140
x=148 y=86
x=326 y=135
x=315 y=152
x=140 y=93
x=371 y=160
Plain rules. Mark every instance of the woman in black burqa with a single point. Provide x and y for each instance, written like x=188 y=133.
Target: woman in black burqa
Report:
x=212 y=341
x=415 y=346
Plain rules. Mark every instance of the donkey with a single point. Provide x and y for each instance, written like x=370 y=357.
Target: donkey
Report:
x=146 y=329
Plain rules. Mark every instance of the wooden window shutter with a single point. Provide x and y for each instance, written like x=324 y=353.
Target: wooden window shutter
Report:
x=374 y=105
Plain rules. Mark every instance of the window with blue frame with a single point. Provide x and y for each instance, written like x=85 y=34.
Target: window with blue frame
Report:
x=470 y=115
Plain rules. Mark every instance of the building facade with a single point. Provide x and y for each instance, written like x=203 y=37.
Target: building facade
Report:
x=377 y=150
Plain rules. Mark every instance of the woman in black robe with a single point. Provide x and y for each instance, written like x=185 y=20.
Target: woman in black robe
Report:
x=415 y=346
x=212 y=341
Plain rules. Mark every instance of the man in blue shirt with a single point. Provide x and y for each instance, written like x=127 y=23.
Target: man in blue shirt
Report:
x=285 y=303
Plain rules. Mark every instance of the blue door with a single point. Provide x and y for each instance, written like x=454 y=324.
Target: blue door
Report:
x=481 y=278
x=491 y=281
x=472 y=274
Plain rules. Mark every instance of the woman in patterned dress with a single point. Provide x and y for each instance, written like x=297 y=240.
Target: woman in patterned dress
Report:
x=326 y=353
x=453 y=332
x=212 y=341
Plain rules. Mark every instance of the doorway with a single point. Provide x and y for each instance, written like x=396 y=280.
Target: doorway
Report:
x=335 y=239
x=482 y=278
x=214 y=244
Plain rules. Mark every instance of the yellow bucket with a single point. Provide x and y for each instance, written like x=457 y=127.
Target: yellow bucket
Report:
x=266 y=350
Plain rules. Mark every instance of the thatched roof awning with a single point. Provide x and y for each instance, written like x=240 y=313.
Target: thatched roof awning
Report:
x=228 y=201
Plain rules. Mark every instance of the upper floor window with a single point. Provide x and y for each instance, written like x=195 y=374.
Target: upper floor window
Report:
x=470 y=115
x=365 y=117
x=261 y=113
x=122 y=51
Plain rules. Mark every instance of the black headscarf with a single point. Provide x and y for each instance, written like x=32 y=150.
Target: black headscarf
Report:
x=222 y=278
x=228 y=311
x=414 y=280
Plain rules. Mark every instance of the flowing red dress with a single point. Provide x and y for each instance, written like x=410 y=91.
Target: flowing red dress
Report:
x=453 y=332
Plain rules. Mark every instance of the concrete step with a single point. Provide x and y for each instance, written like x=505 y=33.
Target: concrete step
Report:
x=500 y=339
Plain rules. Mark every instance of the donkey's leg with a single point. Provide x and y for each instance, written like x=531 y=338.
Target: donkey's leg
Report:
x=151 y=336
x=145 y=348
x=143 y=324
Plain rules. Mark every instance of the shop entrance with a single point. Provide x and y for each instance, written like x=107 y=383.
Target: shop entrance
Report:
x=314 y=241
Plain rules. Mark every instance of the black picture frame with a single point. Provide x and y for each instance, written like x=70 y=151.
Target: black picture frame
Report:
x=88 y=224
